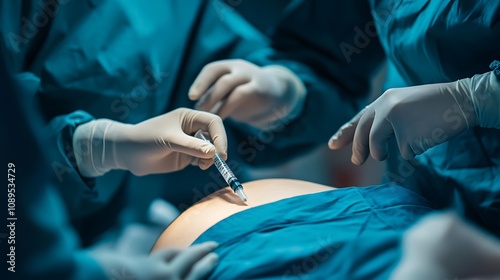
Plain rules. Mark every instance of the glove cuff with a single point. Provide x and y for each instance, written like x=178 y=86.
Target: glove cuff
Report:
x=483 y=91
x=297 y=93
x=95 y=149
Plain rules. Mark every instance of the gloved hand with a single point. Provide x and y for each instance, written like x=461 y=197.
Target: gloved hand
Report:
x=444 y=247
x=420 y=117
x=161 y=144
x=259 y=96
x=195 y=262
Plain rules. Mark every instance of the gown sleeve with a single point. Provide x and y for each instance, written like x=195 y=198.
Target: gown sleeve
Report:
x=44 y=244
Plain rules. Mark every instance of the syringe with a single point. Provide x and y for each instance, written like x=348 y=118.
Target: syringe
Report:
x=225 y=171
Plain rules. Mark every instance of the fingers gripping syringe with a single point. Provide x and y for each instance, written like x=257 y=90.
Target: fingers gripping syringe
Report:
x=224 y=170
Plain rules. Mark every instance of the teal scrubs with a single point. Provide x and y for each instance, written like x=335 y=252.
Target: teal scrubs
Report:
x=335 y=47
x=443 y=41
x=41 y=242
x=122 y=60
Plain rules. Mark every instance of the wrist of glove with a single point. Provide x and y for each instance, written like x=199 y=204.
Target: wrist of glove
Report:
x=293 y=97
x=95 y=146
x=480 y=96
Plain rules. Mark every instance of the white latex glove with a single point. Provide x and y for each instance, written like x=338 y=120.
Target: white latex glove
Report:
x=420 y=117
x=195 y=262
x=443 y=247
x=158 y=145
x=259 y=96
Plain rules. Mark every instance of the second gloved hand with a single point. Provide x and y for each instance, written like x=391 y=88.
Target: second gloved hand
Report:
x=193 y=263
x=259 y=96
x=158 y=145
x=421 y=117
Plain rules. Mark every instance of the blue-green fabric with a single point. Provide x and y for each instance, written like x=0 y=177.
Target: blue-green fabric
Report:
x=45 y=245
x=441 y=41
x=351 y=233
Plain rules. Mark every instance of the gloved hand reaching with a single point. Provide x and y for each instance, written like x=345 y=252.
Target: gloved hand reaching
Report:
x=420 y=117
x=161 y=144
x=195 y=262
x=259 y=96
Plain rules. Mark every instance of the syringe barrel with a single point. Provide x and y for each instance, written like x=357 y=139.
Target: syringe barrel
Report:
x=224 y=170
x=222 y=166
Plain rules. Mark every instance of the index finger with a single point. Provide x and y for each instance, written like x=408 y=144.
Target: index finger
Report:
x=208 y=75
x=218 y=136
x=185 y=260
x=213 y=125
x=345 y=135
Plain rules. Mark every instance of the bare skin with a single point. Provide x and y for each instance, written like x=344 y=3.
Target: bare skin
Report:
x=224 y=203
